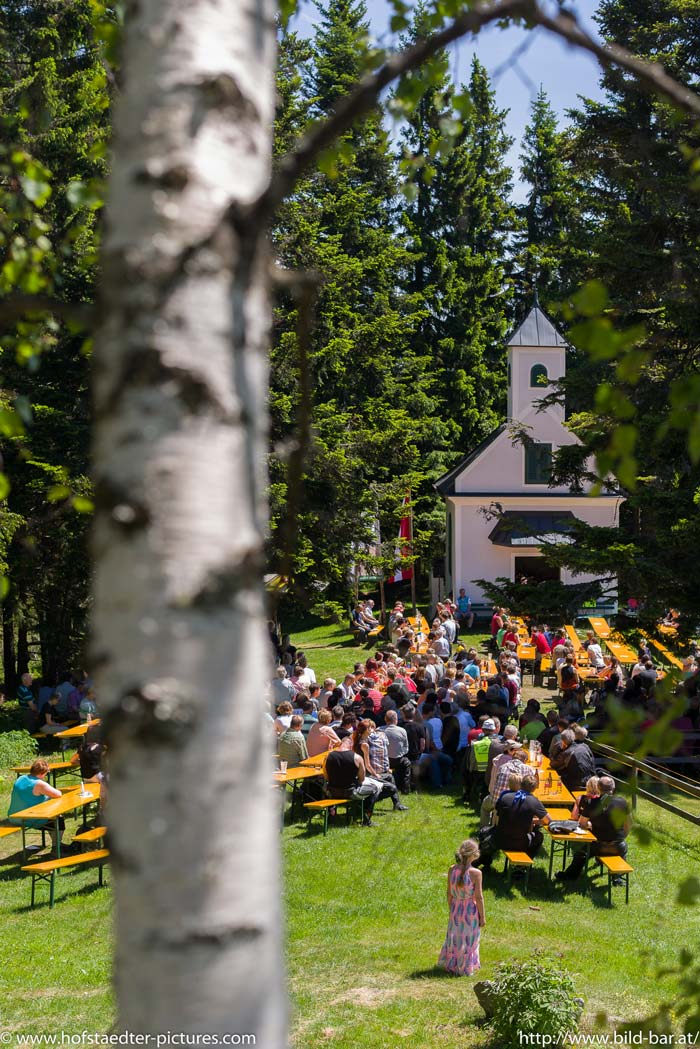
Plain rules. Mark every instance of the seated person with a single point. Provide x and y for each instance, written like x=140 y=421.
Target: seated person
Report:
x=520 y=814
x=284 y=717
x=574 y=761
x=88 y=706
x=291 y=744
x=358 y=625
x=532 y=723
x=345 y=777
x=471 y=666
x=607 y=817
x=27 y=703
x=548 y=734
x=569 y=679
x=50 y=720
x=582 y=805
x=89 y=755
x=321 y=736
x=33 y=789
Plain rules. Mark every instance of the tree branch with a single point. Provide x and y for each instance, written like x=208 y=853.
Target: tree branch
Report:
x=650 y=74
x=365 y=95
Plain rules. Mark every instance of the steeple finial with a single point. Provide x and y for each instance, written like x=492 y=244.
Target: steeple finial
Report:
x=536 y=302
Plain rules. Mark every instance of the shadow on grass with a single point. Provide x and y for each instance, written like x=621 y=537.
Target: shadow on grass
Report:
x=434 y=972
x=43 y=904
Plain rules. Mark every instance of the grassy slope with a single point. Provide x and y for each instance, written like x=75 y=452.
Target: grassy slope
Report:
x=366 y=915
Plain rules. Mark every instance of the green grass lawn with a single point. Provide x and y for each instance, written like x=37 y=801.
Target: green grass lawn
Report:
x=332 y=650
x=55 y=965
x=366 y=914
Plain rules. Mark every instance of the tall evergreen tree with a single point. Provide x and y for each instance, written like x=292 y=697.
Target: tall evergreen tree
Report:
x=546 y=216
x=54 y=107
x=459 y=226
x=641 y=241
x=370 y=404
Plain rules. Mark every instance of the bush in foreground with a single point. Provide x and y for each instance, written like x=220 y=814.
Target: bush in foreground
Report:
x=530 y=997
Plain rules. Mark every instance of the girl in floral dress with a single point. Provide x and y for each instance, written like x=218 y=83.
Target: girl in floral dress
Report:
x=460 y=951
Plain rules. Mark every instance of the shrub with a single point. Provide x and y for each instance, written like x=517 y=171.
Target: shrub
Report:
x=532 y=997
x=330 y=610
x=16 y=748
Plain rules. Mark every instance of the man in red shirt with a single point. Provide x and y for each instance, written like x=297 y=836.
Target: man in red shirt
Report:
x=540 y=641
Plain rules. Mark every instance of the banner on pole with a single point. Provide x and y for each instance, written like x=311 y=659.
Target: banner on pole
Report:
x=403 y=546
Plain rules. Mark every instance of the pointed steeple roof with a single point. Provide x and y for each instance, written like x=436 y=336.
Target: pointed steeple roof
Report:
x=536 y=330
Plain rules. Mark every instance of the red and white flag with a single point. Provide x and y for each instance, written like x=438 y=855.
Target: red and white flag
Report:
x=403 y=547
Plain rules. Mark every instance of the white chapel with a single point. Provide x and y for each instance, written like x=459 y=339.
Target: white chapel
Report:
x=506 y=475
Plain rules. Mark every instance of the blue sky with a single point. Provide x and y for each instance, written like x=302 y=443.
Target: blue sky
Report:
x=564 y=73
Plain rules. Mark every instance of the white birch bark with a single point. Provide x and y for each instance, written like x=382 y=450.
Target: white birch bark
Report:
x=179 y=645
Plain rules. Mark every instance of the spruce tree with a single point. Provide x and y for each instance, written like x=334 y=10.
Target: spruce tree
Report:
x=638 y=408
x=474 y=217
x=546 y=216
x=369 y=401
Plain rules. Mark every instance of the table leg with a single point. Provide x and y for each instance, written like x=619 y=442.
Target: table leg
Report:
x=551 y=858
x=58 y=849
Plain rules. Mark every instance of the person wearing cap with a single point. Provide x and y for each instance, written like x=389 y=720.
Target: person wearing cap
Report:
x=477 y=759
x=498 y=747
x=510 y=748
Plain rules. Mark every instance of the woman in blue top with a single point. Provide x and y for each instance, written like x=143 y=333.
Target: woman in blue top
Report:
x=32 y=789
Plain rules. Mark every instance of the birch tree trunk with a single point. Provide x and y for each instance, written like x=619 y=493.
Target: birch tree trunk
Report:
x=179 y=645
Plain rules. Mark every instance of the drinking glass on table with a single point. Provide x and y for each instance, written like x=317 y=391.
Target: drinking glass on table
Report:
x=283 y=766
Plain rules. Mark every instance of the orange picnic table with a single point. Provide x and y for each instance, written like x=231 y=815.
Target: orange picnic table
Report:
x=77 y=730
x=52 y=809
x=601 y=626
x=621 y=651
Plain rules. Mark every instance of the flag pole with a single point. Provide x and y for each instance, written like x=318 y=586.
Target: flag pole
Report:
x=413 y=564
x=382 y=596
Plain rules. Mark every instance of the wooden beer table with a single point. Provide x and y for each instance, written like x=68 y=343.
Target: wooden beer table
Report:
x=53 y=808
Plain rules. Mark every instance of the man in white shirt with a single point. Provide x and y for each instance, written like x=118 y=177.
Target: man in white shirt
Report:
x=281 y=688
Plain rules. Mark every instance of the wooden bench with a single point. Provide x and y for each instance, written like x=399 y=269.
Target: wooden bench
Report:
x=616 y=867
x=518 y=859
x=377 y=630
x=94 y=834
x=6 y=831
x=324 y=807
x=46 y=871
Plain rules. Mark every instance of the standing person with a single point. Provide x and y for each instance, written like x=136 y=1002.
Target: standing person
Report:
x=460 y=951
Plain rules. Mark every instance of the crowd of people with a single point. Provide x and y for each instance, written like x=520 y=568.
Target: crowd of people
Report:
x=48 y=709
x=427 y=705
